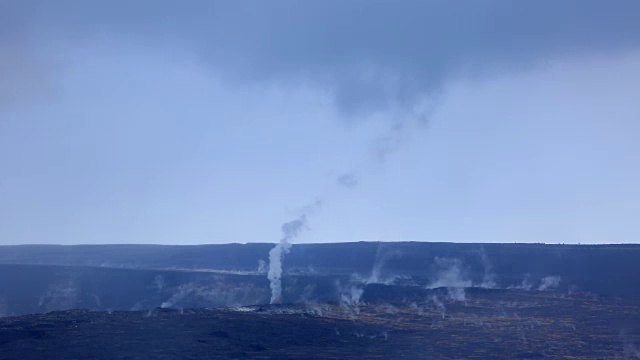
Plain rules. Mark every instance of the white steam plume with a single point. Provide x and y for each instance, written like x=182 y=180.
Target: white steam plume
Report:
x=452 y=275
x=386 y=145
x=549 y=282
x=290 y=230
x=489 y=279
x=382 y=256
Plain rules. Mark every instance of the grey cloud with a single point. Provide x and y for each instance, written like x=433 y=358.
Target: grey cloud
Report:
x=348 y=180
x=389 y=142
x=370 y=54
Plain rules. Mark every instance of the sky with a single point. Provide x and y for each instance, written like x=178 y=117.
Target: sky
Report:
x=173 y=122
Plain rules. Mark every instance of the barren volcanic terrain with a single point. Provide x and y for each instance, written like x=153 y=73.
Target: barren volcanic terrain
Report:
x=488 y=324
x=340 y=301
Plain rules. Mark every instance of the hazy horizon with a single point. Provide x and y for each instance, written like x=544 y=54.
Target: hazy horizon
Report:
x=325 y=243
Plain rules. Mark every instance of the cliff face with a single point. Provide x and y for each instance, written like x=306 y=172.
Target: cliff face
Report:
x=132 y=277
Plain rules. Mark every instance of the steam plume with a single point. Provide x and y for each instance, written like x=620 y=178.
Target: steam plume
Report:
x=382 y=256
x=348 y=180
x=290 y=231
x=489 y=279
x=452 y=275
x=549 y=282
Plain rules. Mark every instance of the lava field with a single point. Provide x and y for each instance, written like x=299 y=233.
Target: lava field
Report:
x=487 y=324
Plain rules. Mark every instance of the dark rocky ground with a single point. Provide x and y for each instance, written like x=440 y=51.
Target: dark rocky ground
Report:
x=487 y=324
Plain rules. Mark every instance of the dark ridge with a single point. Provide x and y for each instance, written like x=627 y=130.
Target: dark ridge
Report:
x=607 y=269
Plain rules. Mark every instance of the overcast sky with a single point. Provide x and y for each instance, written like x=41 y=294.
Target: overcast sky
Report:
x=190 y=122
